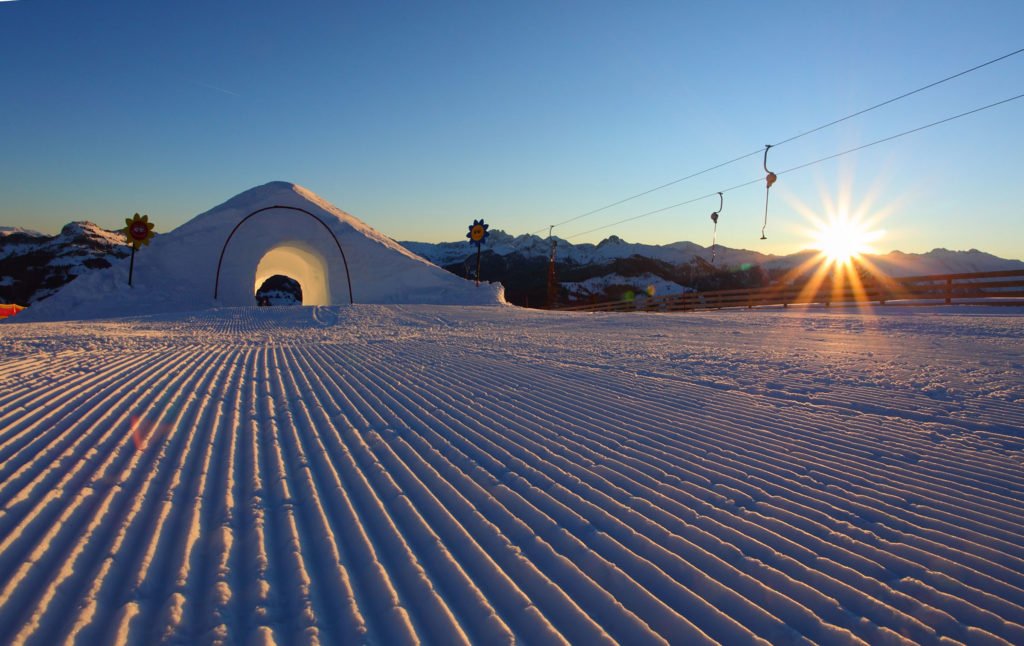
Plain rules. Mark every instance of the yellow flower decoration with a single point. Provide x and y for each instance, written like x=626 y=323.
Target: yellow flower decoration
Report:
x=139 y=230
x=477 y=232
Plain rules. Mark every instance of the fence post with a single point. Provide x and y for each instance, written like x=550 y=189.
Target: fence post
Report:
x=949 y=291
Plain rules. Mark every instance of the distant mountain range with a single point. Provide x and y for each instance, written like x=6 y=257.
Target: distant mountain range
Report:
x=895 y=263
x=613 y=267
x=34 y=265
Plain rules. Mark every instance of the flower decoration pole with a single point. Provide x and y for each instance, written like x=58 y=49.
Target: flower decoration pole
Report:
x=139 y=231
x=477 y=234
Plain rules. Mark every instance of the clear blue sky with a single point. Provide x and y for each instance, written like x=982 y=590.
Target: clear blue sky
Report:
x=418 y=117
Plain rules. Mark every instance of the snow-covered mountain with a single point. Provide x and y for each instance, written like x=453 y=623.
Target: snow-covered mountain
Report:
x=34 y=265
x=6 y=231
x=894 y=263
x=640 y=284
x=942 y=261
x=609 y=249
x=279 y=290
x=614 y=266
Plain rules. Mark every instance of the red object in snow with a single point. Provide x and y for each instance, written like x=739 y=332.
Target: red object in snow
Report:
x=9 y=310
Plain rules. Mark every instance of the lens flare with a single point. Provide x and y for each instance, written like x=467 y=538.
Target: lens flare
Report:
x=840 y=233
x=842 y=240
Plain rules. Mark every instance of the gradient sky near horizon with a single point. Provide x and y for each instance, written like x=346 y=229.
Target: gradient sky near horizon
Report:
x=420 y=117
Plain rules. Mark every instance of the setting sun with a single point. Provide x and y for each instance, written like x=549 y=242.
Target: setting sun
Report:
x=841 y=234
x=841 y=239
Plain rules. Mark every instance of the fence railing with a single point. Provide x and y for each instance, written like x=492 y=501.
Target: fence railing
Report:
x=989 y=287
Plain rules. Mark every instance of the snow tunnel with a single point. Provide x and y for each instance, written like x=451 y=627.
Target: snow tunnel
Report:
x=286 y=241
x=300 y=263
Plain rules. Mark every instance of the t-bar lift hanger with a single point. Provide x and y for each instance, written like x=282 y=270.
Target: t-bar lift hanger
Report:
x=714 y=218
x=769 y=180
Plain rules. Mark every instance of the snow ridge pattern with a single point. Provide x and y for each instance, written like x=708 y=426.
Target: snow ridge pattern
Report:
x=392 y=474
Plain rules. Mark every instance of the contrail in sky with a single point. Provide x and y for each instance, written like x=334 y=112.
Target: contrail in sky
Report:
x=204 y=85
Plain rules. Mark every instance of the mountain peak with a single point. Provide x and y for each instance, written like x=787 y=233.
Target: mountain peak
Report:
x=10 y=231
x=79 y=227
x=612 y=239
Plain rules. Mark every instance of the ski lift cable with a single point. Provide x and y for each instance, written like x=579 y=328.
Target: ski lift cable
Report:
x=897 y=98
x=667 y=208
x=804 y=165
x=903 y=134
x=793 y=138
x=657 y=188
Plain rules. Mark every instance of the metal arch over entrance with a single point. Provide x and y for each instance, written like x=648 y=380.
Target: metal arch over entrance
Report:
x=348 y=277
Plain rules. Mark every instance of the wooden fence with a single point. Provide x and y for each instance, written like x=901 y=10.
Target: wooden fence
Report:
x=989 y=287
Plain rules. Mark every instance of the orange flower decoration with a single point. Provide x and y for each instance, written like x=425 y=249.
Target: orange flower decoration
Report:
x=139 y=230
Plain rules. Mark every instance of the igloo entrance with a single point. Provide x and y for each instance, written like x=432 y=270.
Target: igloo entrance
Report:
x=286 y=241
x=302 y=264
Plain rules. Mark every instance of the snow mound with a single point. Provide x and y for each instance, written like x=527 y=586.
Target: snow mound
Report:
x=599 y=285
x=221 y=256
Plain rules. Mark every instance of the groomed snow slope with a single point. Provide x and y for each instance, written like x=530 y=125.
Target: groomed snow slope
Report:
x=389 y=474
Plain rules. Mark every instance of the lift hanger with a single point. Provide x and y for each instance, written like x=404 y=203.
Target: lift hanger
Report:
x=714 y=218
x=769 y=180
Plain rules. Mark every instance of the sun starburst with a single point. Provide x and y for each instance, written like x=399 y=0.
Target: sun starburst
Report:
x=842 y=239
x=840 y=234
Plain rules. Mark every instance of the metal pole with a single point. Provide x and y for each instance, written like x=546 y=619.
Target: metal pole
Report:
x=131 y=267
x=552 y=289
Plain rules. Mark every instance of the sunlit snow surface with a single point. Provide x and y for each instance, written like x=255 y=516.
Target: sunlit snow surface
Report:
x=388 y=474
